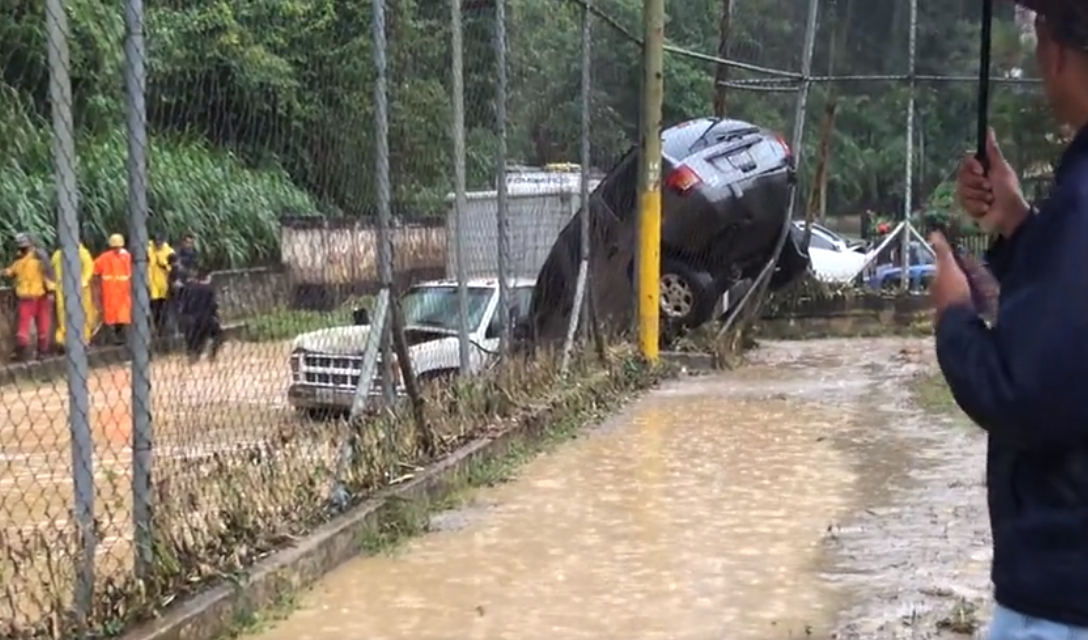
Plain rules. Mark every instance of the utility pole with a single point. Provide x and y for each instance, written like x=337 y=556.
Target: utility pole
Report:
x=649 y=183
x=721 y=71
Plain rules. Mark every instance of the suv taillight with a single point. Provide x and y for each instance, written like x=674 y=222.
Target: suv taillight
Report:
x=785 y=145
x=682 y=179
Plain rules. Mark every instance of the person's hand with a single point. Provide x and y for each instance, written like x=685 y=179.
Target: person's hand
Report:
x=950 y=286
x=993 y=199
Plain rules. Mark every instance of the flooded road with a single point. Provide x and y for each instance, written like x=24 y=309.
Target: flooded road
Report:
x=196 y=410
x=802 y=496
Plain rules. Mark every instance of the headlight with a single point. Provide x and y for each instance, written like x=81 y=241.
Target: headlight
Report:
x=296 y=361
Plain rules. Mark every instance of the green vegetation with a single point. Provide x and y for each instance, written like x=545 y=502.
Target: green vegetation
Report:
x=931 y=393
x=285 y=324
x=260 y=108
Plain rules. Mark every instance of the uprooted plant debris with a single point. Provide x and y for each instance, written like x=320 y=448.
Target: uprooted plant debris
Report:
x=217 y=513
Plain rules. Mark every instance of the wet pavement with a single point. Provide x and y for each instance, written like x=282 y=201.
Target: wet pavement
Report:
x=197 y=410
x=802 y=496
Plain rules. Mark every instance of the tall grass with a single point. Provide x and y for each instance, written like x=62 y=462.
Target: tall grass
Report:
x=233 y=209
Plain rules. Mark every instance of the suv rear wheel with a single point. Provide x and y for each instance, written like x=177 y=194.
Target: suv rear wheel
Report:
x=688 y=295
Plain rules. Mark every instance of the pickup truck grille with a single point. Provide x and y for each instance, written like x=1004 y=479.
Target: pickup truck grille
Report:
x=333 y=370
x=330 y=379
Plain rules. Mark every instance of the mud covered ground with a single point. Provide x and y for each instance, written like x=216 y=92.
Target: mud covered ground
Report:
x=912 y=558
x=826 y=490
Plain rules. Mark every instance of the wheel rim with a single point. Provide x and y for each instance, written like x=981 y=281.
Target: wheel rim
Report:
x=677 y=298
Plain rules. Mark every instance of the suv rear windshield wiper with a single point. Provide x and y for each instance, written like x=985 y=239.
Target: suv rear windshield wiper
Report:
x=702 y=136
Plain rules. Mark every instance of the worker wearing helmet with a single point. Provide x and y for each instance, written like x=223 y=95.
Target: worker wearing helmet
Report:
x=90 y=313
x=113 y=268
x=34 y=284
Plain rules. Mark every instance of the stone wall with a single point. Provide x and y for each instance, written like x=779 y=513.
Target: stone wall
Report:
x=849 y=316
x=242 y=293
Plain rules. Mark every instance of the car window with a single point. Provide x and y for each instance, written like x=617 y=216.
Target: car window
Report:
x=520 y=299
x=819 y=241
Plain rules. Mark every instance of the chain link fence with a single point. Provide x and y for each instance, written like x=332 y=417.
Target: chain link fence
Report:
x=891 y=98
x=375 y=209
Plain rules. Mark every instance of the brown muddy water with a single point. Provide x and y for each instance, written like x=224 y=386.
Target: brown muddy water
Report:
x=803 y=496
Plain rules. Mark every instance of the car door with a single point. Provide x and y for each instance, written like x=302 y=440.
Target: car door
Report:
x=832 y=262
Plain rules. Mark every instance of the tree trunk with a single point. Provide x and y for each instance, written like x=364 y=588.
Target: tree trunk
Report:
x=721 y=72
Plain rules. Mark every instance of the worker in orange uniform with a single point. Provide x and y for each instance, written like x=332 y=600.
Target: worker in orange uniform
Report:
x=114 y=271
x=34 y=286
x=90 y=313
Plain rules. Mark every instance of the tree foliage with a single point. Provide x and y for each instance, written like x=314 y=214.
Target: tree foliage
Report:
x=261 y=107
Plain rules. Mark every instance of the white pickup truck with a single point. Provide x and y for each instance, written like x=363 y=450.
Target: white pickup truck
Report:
x=326 y=364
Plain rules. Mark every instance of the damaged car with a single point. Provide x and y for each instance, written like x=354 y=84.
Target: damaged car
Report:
x=726 y=189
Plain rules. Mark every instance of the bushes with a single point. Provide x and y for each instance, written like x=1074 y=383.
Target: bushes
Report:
x=233 y=209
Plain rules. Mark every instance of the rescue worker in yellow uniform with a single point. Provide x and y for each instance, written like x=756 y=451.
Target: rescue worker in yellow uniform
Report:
x=158 y=264
x=86 y=277
x=34 y=283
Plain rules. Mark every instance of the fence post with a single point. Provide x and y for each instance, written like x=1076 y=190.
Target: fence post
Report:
x=649 y=183
x=381 y=178
x=79 y=409
x=752 y=300
x=501 y=213
x=908 y=165
x=139 y=338
x=460 y=202
x=581 y=293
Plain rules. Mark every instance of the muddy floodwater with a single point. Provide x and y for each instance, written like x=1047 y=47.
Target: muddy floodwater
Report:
x=802 y=496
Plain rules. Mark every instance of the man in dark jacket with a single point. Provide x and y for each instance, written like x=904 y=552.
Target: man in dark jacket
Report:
x=1024 y=379
x=200 y=307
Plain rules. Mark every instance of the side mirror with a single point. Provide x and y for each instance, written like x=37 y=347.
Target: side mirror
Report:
x=360 y=317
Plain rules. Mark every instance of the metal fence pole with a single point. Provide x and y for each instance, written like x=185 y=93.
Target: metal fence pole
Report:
x=139 y=339
x=501 y=213
x=755 y=293
x=908 y=165
x=587 y=121
x=79 y=409
x=580 y=287
x=460 y=201
x=381 y=178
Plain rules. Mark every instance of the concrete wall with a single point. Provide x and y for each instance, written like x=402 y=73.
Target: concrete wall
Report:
x=339 y=252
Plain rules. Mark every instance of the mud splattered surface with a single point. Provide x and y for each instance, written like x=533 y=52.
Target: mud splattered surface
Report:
x=912 y=558
x=802 y=496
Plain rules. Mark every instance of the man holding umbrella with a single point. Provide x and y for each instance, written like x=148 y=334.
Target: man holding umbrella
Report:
x=1024 y=379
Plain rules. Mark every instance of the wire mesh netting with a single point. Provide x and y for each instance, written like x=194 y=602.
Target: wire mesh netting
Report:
x=332 y=211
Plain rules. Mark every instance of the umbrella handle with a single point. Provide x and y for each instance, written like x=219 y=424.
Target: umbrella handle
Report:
x=985 y=48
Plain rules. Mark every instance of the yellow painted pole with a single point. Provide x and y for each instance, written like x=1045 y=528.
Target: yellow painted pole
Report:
x=649 y=185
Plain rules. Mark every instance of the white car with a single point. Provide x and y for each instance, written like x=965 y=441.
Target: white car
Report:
x=326 y=364
x=832 y=258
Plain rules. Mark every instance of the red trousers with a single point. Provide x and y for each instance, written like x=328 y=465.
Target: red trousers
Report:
x=39 y=312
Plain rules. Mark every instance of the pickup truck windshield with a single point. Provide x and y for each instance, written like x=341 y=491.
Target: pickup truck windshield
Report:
x=437 y=307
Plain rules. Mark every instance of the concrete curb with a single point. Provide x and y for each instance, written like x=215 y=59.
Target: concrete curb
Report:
x=209 y=615
x=56 y=366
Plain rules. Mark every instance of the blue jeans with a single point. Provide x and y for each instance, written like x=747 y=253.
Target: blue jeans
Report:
x=1010 y=625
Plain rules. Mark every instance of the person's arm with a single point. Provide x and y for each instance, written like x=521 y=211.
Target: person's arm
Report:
x=1021 y=379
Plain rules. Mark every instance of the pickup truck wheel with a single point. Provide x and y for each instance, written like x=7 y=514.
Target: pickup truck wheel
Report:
x=688 y=295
